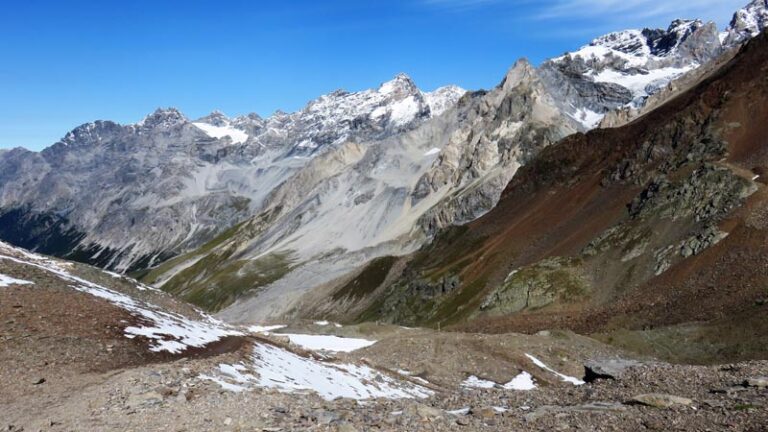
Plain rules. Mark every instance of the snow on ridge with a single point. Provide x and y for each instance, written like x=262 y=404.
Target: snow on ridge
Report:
x=642 y=85
x=566 y=378
x=166 y=331
x=273 y=367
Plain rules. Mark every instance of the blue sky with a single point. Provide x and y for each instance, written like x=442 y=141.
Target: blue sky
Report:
x=66 y=63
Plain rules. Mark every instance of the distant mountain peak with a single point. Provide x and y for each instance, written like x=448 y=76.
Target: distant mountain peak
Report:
x=747 y=22
x=164 y=117
x=215 y=118
x=401 y=84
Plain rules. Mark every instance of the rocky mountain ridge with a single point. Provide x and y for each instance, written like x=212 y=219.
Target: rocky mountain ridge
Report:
x=130 y=196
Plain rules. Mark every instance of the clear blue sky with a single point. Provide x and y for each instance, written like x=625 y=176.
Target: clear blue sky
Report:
x=64 y=63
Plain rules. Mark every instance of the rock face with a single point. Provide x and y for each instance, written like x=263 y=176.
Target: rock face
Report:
x=612 y=369
x=130 y=196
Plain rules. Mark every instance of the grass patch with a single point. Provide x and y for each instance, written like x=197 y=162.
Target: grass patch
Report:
x=368 y=280
x=215 y=282
x=153 y=275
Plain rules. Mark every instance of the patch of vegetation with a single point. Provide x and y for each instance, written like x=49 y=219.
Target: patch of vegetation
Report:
x=459 y=305
x=214 y=283
x=368 y=280
x=539 y=285
x=153 y=275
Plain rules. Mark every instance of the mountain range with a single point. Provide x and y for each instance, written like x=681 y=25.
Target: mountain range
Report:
x=250 y=214
x=581 y=247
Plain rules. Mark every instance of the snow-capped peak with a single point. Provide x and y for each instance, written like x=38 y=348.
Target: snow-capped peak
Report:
x=88 y=133
x=747 y=22
x=648 y=43
x=631 y=42
x=400 y=85
x=215 y=118
x=163 y=117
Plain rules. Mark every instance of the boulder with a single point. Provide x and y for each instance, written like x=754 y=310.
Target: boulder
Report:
x=658 y=400
x=612 y=369
x=759 y=382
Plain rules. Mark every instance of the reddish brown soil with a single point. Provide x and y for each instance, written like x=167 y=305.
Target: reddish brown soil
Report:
x=555 y=206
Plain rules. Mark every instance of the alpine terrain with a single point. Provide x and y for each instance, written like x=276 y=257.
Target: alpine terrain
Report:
x=581 y=247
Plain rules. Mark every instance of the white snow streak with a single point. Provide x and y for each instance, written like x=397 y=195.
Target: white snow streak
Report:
x=8 y=281
x=475 y=382
x=566 y=378
x=265 y=329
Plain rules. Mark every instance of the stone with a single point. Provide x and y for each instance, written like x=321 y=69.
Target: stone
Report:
x=144 y=400
x=658 y=400
x=612 y=369
x=227 y=421
x=346 y=427
x=759 y=382
x=325 y=417
x=484 y=412
x=428 y=412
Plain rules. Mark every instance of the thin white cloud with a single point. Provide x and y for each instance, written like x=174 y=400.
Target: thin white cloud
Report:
x=602 y=10
x=558 y=9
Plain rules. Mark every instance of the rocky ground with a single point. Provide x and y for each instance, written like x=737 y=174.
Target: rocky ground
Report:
x=171 y=395
x=69 y=363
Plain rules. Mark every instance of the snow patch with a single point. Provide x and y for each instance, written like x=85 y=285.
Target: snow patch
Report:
x=328 y=343
x=524 y=381
x=265 y=329
x=459 y=412
x=475 y=382
x=6 y=281
x=432 y=151
x=643 y=84
x=280 y=369
x=218 y=132
x=404 y=111
x=588 y=118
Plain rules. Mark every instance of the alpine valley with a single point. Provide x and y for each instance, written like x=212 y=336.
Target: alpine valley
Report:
x=581 y=247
